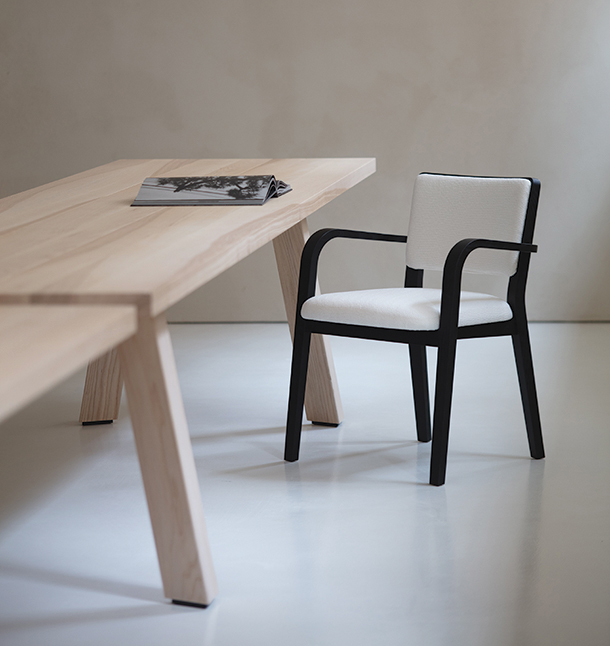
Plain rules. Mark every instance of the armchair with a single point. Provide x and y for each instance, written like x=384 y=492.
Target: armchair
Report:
x=458 y=223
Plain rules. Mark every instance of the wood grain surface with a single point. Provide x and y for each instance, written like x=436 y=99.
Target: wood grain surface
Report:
x=42 y=344
x=79 y=240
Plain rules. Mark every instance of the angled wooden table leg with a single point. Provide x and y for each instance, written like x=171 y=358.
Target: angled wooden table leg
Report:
x=102 y=391
x=322 y=399
x=167 y=464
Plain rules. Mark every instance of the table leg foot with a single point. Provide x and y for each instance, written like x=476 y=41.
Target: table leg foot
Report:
x=102 y=392
x=177 y=602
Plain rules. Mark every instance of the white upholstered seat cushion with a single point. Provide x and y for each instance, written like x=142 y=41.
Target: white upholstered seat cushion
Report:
x=403 y=308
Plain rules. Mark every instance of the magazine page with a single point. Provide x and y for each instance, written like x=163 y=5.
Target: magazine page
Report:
x=220 y=190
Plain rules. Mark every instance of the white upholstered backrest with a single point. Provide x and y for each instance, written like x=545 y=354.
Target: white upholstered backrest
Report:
x=447 y=208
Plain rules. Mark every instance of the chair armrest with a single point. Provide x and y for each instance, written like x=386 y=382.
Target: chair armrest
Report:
x=313 y=247
x=454 y=266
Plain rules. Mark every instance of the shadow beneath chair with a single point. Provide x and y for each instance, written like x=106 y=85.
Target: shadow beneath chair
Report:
x=341 y=461
x=326 y=460
x=223 y=435
x=497 y=456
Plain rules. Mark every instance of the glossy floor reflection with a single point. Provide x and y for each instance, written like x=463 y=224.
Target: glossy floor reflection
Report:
x=347 y=546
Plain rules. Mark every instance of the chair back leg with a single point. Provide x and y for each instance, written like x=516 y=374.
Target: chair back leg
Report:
x=296 y=398
x=527 y=386
x=445 y=369
x=421 y=393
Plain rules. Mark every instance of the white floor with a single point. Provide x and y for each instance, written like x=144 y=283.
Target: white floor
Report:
x=347 y=546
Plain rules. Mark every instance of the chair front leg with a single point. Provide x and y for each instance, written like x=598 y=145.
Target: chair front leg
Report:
x=296 y=399
x=421 y=393
x=527 y=386
x=445 y=369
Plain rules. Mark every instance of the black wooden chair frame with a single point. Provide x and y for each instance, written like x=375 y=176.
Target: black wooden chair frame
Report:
x=444 y=338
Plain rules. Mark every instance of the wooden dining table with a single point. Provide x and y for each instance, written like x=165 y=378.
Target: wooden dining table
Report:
x=77 y=241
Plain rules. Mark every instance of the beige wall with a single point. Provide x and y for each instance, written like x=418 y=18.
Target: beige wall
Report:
x=457 y=86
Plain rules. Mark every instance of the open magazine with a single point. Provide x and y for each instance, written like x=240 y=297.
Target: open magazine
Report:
x=209 y=191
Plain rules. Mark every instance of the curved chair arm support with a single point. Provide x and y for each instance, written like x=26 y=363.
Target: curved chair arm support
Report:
x=453 y=269
x=311 y=254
